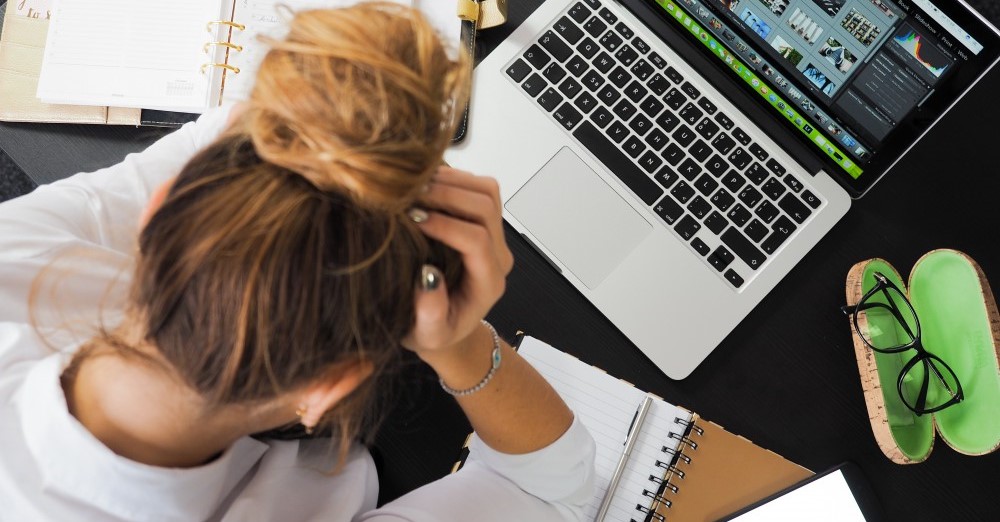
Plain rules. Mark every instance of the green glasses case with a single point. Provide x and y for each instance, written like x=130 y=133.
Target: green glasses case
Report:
x=960 y=324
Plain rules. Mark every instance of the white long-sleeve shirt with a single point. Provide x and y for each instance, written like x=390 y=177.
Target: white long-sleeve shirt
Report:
x=82 y=233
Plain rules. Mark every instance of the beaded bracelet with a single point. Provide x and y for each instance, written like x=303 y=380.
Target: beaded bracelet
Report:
x=495 y=358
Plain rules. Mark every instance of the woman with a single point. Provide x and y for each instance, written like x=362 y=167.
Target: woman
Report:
x=276 y=274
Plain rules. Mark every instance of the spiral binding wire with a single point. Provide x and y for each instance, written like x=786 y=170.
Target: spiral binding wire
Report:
x=663 y=484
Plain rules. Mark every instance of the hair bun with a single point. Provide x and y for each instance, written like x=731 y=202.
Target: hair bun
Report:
x=361 y=99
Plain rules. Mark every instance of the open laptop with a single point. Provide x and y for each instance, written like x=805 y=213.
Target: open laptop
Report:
x=674 y=159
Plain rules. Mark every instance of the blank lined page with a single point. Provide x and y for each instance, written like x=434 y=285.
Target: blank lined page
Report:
x=606 y=406
x=127 y=53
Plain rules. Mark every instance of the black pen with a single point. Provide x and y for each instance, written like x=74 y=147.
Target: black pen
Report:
x=633 y=434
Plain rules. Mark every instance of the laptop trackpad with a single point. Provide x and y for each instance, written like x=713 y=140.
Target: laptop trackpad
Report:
x=579 y=218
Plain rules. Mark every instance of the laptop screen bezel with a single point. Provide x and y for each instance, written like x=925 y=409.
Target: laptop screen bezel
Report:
x=900 y=140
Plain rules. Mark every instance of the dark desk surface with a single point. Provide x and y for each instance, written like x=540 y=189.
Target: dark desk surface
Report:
x=786 y=377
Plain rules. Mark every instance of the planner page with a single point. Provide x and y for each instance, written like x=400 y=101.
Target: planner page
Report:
x=607 y=406
x=268 y=18
x=128 y=53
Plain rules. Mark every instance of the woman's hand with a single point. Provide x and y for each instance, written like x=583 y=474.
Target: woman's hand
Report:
x=463 y=212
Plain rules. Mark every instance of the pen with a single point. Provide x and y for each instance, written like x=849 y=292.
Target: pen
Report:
x=633 y=434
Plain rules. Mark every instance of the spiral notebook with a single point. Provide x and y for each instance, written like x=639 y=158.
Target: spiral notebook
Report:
x=681 y=468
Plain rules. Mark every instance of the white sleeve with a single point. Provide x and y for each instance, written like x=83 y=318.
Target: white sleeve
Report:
x=92 y=216
x=554 y=483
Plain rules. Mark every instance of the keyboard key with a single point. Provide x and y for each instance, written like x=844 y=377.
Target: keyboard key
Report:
x=721 y=258
x=716 y=222
x=773 y=189
x=534 y=85
x=650 y=162
x=733 y=181
x=689 y=169
x=550 y=99
x=651 y=106
x=570 y=31
x=518 y=70
x=593 y=81
x=811 y=199
x=603 y=62
x=707 y=106
x=611 y=41
x=666 y=177
x=657 y=61
x=602 y=117
x=793 y=207
x=658 y=84
x=691 y=114
x=776 y=167
x=536 y=56
x=767 y=212
x=724 y=121
x=750 y=197
x=700 y=151
x=657 y=140
x=555 y=46
x=707 y=128
x=640 y=45
x=780 y=231
x=758 y=152
x=739 y=159
x=741 y=136
x=626 y=55
x=608 y=95
x=675 y=99
x=706 y=185
x=594 y=4
x=554 y=73
x=690 y=90
x=585 y=102
x=699 y=207
x=700 y=247
x=620 y=77
x=739 y=215
x=756 y=174
x=743 y=248
x=608 y=16
x=687 y=227
x=633 y=147
x=617 y=132
x=617 y=163
x=577 y=66
x=570 y=88
x=722 y=200
x=668 y=121
x=669 y=210
x=723 y=143
x=734 y=278
x=567 y=116
x=674 y=76
x=624 y=110
x=587 y=48
x=579 y=12
x=673 y=154
x=793 y=183
x=716 y=165
x=682 y=192
x=640 y=125
x=756 y=230
x=594 y=26
x=635 y=91
x=624 y=30
x=684 y=135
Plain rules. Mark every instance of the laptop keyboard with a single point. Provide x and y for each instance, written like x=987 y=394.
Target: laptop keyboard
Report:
x=708 y=181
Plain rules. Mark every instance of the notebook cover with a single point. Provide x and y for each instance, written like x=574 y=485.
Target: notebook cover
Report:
x=726 y=473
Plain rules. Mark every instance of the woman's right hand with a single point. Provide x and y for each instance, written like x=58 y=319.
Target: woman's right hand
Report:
x=464 y=212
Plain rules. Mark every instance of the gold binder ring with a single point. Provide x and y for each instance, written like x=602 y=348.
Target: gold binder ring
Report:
x=227 y=45
x=226 y=66
x=234 y=25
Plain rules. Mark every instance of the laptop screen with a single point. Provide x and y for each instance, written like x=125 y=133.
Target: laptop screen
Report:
x=859 y=80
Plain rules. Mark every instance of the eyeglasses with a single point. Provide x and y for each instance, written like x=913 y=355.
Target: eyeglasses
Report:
x=886 y=322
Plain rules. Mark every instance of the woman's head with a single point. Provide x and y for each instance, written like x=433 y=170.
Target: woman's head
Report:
x=282 y=251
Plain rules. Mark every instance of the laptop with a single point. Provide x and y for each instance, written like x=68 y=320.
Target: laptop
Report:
x=674 y=159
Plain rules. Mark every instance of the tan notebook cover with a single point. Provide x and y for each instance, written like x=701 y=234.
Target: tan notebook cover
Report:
x=22 y=44
x=723 y=473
